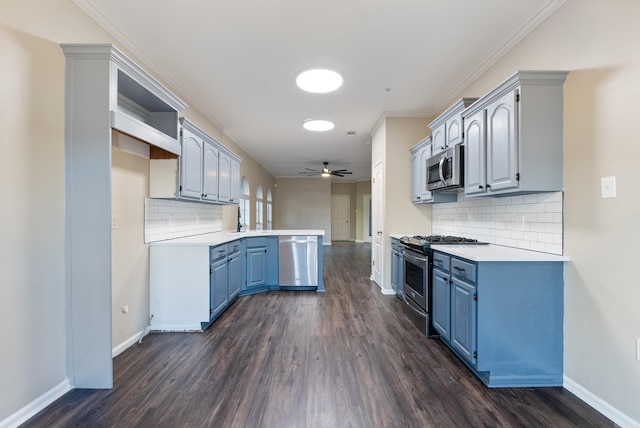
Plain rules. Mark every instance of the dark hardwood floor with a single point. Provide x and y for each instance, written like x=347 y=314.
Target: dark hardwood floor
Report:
x=344 y=358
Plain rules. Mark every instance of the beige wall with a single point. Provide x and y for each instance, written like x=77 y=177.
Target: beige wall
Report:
x=598 y=42
x=362 y=188
x=303 y=203
x=129 y=253
x=391 y=142
x=32 y=245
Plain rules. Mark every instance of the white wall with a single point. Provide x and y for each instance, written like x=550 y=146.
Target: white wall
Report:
x=598 y=42
x=303 y=203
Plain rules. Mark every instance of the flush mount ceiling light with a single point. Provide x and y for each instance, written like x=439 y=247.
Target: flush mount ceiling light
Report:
x=318 y=125
x=319 y=80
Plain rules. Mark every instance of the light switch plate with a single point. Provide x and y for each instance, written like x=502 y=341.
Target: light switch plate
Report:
x=608 y=187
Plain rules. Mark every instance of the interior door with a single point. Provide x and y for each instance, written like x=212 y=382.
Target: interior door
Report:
x=340 y=214
x=377 y=196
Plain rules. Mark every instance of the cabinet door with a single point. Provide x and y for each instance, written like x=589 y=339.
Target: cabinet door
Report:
x=475 y=176
x=441 y=309
x=224 y=177
x=394 y=270
x=400 y=274
x=425 y=154
x=210 y=172
x=502 y=144
x=191 y=165
x=463 y=319
x=219 y=286
x=454 y=131
x=416 y=175
x=256 y=267
x=235 y=275
x=234 y=194
x=438 y=140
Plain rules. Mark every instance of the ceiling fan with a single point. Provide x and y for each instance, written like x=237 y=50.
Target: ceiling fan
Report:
x=325 y=171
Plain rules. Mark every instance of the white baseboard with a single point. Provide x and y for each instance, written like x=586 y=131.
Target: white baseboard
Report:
x=599 y=404
x=129 y=342
x=28 y=411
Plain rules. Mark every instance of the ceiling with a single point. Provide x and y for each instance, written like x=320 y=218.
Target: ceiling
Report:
x=236 y=62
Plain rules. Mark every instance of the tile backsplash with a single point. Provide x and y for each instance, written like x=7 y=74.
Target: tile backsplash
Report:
x=168 y=219
x=532 y=222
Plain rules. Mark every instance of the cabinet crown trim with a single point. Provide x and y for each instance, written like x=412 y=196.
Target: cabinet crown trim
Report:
x=521 y=77
x=456 y=108
x=108 y=51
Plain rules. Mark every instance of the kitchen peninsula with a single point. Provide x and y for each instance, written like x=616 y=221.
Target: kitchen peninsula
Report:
x=194 y=279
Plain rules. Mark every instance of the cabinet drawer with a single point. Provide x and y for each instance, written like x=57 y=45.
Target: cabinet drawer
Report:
x=256 y=242
x=441 y=260
x=463 y=269
x=218 y=252
x=234 y=247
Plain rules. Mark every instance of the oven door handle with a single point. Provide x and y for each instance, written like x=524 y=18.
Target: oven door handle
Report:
x=413 y=258
x=414 y=307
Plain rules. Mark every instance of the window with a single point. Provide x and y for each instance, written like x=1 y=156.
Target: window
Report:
x=259 y=207
x=245 y=204
x=269 y=210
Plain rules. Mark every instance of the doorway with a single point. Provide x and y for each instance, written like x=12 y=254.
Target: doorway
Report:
x=377 y=220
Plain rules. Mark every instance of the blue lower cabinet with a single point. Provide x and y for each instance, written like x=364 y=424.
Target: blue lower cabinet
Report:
x=219 y=287
x=235 y=275
x=504 y=320
x=441 y=303
x=463 y=319
x=261 y=264
x=256 y=267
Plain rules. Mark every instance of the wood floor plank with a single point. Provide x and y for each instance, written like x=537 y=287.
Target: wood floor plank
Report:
x=348 y=357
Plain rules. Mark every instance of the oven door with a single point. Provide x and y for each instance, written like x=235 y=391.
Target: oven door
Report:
x=416 y=278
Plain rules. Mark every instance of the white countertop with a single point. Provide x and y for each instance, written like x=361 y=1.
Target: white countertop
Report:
x=498 y=253
x=224 y=237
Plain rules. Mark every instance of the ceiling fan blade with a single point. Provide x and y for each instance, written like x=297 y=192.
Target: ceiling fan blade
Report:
x=307 y=173
x=314 y=170
x=343 y=172
x=336 y=174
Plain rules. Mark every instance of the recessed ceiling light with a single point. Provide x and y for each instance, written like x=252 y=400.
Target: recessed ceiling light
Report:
x=319 y=80
x=318 y=125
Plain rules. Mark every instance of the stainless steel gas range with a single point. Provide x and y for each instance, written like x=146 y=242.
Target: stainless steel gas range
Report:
x=418 y=266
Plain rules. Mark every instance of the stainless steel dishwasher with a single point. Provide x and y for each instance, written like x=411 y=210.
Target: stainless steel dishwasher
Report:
x=298 y=261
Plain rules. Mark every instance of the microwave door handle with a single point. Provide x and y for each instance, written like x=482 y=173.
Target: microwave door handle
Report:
x=440 y=167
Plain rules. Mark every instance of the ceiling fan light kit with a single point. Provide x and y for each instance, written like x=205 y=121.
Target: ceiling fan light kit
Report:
x=325 y=171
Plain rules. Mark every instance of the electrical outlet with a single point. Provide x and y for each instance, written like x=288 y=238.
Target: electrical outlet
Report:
x=114 y=222
x=638 y=349
x=125 y=309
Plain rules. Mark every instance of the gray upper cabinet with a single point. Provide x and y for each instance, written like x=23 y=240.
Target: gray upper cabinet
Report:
x=205 y=167
x=447 y=129
x=513 y=136
x=475 y=177
x=191 y=164
x=234 y=197
x=225 y=178
x=210 y=182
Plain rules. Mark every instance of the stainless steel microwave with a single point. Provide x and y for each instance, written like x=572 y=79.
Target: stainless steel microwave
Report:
x=445 y=170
